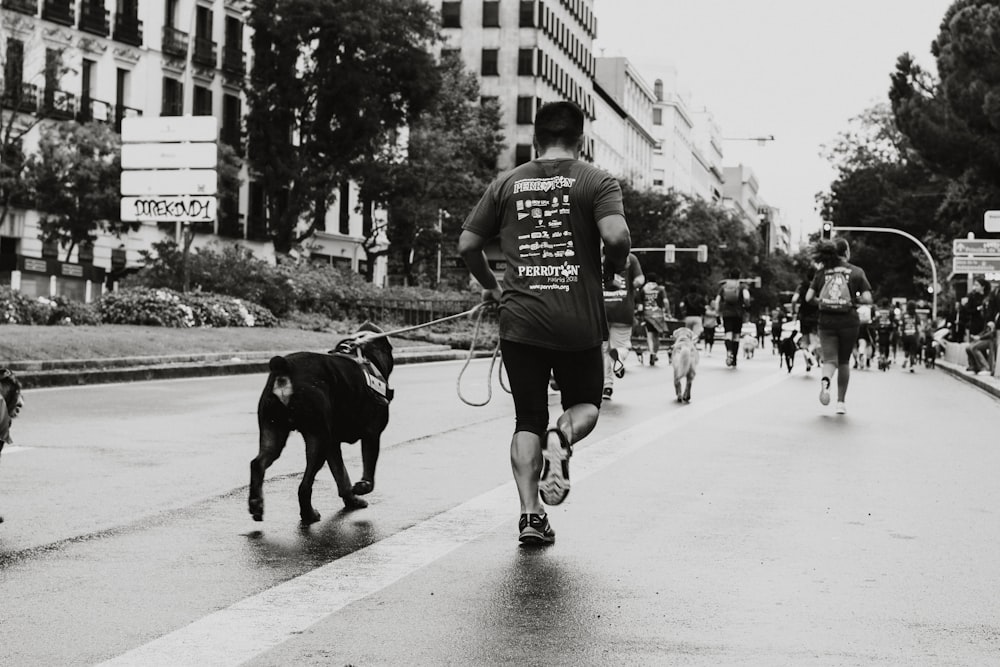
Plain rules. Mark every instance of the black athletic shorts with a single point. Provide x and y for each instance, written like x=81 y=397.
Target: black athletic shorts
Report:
x=732 y=323
x=808 y=326
x=838 y=340
x=580 y=376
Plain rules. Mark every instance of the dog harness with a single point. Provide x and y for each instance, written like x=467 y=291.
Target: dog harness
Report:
x=378 y=387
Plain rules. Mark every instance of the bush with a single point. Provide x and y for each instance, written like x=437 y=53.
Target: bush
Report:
x=16 y=308
x=167 y=308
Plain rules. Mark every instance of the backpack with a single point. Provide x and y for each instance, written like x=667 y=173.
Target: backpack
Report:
x=835 y=296
x=731 y=293
x=884 y=319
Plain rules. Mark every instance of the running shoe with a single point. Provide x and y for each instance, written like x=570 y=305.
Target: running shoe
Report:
x=535 y=530
x=606 y=394
x=617 y=367
x=554 y=482
x=824 y=391
x=841 y=408
x=652 y=359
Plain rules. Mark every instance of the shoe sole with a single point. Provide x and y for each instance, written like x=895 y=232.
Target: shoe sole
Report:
x=554 y=482
x=824 y=396
x=532 y=537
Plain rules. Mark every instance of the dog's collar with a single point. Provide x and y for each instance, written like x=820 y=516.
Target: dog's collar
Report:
x=373 y=376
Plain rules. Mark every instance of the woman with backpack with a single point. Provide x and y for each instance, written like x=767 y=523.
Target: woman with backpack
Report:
x=838 y=288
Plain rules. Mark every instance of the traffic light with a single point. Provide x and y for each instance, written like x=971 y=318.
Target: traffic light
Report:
x=703 y=253
x=826 y=232
x=670 y=253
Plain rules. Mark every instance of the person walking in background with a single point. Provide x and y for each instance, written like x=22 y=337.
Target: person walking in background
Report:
x=654 y=307
x=909 y=329
x=837 y=288
x=885 y=327
x=778 y=317
x=808 y=320
x=710 y=321
x=619 y=305
x=551 y=305
x=731 y=302
x=760 y=326
x=693 y=310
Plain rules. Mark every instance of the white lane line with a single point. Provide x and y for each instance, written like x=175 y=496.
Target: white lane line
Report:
x=246 y=629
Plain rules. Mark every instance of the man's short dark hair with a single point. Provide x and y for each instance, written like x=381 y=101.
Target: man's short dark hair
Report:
x=558 y=123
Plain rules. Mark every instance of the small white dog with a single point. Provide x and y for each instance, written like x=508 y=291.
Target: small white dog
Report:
x=684 y=359
x=748 y=344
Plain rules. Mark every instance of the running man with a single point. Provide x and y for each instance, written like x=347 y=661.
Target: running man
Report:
x=732 y=303
x=551 y=305
x=619 y=304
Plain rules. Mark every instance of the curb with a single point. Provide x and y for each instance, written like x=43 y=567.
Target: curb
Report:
x=35 y=375
x=990 y=385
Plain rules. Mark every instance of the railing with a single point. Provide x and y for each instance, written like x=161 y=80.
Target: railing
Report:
x=91 y=109
x=59 y=104
x=59 y=11
x=234 y=61
x=411 y=312
x=205 y=52
x=128 y=29
x=95 y=19
x=22 y=6
x=21 y=98
x=123 y=111
x=175 y=42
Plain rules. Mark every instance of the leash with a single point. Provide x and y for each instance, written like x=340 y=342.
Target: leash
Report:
x=363 y=337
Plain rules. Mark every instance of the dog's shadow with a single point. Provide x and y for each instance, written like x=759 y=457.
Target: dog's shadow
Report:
x=310 y=546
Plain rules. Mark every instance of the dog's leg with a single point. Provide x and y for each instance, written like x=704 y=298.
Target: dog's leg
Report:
x=316 y=448
x=335 y=459
x=370 y=447
x=687 y=389
x=678 y=390
x=272 y=442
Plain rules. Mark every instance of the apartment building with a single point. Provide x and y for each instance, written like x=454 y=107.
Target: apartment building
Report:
x=526 y=53
x=706 y=166
x=618 y=79
x=741 y=195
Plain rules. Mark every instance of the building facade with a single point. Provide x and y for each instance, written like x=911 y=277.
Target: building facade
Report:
x=741 y=195
x=526 y=53
x=618 y=80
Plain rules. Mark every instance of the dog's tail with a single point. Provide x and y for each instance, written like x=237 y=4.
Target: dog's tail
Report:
x=282 y=383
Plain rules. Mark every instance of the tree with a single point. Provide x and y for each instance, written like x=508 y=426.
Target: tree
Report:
x=75 y=178
x=332 y=80
x=953 y=121
x=432 y=183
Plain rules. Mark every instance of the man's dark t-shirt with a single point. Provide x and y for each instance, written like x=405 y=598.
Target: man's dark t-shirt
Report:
x=545 y=213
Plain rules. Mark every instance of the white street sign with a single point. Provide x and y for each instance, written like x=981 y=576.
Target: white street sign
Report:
x=169 y=128
x=169 y=156
x=991 y=221
x=168 y=209
x=975 y=264
x=976 y=246
x=170 y=182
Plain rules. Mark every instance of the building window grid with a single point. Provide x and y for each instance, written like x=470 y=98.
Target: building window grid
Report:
x=451 y=14
x=490 y=62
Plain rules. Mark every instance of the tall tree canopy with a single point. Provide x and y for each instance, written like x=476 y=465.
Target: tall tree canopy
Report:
x=332 y=81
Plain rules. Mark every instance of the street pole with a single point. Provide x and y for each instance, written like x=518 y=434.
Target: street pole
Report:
x=930 y=259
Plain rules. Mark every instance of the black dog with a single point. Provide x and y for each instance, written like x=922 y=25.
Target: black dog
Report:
x=11 y=403
x=787 y=349
x=333 y=398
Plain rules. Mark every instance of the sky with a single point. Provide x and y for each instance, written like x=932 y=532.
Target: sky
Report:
x=795 y=69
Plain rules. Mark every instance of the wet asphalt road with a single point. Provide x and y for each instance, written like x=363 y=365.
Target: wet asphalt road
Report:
x=750 y=527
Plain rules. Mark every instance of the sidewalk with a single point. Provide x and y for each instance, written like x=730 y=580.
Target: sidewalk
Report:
x=70 y=372
x=954 y=361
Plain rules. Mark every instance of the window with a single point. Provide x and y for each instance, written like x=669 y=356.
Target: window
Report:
x=525 y=62
x=658 y=182
x=447 y=54
x=527 y=18
x=451 y=14
x=491 y=13
x=173 y=98
x=231 y=115
x=487 y=100
x=525 y=110
x=202 y=101
x=345 y=208
x=657 y=116
x=522 y=154
x=87 y=79
x=13 y=67
x=490 y=66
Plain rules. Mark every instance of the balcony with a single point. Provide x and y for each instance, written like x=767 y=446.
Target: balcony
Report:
x=175 y=42
x=58 y=104
x=128 y=29
x=95 y=19
x=59 y=11
x=234 y=62
x=122 y=111
x=205 y=52
x=20 y=97
x=29 y=7
x=94 y=110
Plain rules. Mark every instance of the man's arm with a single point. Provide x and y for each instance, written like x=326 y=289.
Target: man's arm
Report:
x=617 y=242
x=471 y=247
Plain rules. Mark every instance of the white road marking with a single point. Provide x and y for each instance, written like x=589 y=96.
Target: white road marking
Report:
x=244 y=630
x=13 y=449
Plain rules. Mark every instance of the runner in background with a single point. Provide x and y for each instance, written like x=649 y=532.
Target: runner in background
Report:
x=655 y=307
x=710 y=321
x=732 y=302
x=619 y=305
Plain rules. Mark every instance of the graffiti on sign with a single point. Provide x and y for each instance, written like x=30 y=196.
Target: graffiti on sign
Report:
x=194 y=209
